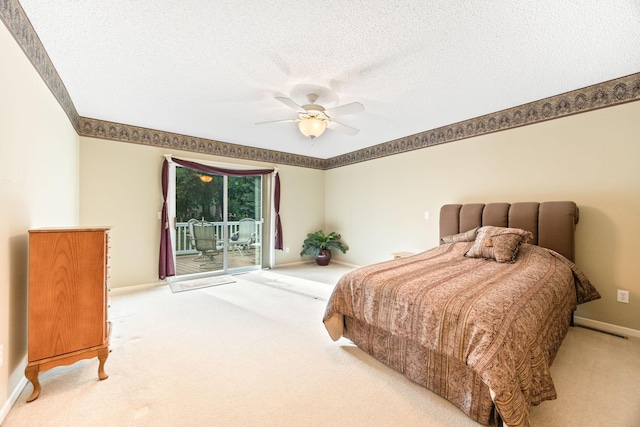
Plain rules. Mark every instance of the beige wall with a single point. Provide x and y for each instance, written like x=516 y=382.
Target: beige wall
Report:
x=120 y=186
x=590 y=158
x=38 y=187
x=51 y=177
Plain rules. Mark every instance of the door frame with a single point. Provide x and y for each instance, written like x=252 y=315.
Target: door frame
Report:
x=268 y=218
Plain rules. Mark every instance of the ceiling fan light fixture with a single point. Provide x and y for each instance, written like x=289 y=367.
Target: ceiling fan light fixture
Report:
x=313 y=118
x=312 y=127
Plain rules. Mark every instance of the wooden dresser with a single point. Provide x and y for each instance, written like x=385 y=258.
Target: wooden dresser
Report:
x=68 y=285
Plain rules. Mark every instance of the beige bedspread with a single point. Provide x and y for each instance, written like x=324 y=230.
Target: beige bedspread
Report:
x=503 y=321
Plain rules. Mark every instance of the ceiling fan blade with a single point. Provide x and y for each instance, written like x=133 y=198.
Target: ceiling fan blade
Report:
x=354 y=107
x=291 y=104
x=342 y=128
x=278 y=121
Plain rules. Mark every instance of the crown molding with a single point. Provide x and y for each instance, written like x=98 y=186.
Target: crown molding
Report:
x=602 y=95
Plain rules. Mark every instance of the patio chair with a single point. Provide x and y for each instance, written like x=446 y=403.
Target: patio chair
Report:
x=246 y=236
x=204 y=239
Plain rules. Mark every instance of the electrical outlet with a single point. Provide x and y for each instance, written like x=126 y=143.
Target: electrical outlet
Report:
x=286 y=250
x=623 y=296
x=426 y=214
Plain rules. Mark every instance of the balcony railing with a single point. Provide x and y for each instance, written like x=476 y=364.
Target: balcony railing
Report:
x=183 y=239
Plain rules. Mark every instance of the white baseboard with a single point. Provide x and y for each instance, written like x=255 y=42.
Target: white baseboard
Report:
x=14 y=395
x=346 y=264
x=135 y=288
x=311 y=261
x=606 y=327
x=287 y=264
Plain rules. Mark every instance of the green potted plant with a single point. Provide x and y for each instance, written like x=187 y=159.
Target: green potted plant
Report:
x=319 y=246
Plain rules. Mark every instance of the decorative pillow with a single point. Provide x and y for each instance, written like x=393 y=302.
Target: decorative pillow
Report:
x=498 y=243
x=467 y=236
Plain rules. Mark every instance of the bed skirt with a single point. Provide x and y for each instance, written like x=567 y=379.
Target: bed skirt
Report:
x=439 y=373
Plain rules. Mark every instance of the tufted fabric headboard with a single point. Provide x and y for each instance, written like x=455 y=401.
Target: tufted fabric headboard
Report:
x=552 y=224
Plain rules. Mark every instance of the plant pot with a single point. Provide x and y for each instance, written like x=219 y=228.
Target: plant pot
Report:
x=324 y=257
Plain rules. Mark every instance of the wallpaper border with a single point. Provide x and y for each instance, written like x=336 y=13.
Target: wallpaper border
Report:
x=157 y=138
x=16 y=21
x=607 y=94
x=601 y=95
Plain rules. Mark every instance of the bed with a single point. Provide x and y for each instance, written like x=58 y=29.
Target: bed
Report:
x=479 y=318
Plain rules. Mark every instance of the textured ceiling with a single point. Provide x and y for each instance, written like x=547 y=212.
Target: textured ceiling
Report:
x=211 y=69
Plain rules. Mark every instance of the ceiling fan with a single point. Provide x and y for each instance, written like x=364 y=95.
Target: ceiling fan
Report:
x=313 y=118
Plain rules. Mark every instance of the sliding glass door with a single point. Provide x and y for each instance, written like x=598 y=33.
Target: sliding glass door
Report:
x=219 y=223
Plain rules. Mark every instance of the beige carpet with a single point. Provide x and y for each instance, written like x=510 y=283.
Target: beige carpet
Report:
x=256 y=354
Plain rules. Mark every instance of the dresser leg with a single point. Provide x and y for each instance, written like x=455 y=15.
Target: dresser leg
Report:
x=31 y=372
x=103 y=353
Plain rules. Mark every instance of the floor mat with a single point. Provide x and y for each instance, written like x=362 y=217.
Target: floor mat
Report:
x=189 y=285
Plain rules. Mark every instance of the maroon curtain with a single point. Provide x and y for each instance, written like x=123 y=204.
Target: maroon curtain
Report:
x=166 y=267
x=276 y=205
